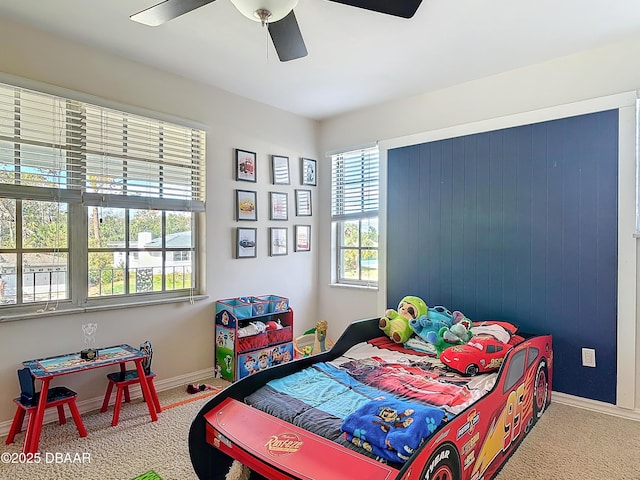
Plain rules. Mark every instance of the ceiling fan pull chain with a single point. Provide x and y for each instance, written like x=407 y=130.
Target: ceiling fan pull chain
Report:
x=266 y=40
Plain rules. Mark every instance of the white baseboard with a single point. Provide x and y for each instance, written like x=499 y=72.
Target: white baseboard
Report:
x=51 y=415
x=596 y=406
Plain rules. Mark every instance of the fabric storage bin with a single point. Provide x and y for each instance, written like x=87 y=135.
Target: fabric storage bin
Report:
x=258 y=306
x=257 y=360
x=252 y=342
x=284 y=334
x=276 y=303
x=236 y=307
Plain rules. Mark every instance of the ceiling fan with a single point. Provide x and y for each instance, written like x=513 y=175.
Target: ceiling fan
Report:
x=276 y=15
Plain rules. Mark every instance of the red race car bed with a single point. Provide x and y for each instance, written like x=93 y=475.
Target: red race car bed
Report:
x=370 y=409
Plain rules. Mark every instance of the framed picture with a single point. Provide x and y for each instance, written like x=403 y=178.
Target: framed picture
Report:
x=279 y=170
x=279 y=206
x=246 y=208
x=303 y=203
x=245 y=165
x=303 y=238
x=308 y=171
x=246 y=242
x=278 y=241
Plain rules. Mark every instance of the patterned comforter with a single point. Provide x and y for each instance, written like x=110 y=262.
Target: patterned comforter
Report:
x=382 y=402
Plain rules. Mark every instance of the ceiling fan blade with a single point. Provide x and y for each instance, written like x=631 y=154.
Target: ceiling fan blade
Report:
x=167 y=10
x=398 y=8
x=287 y=38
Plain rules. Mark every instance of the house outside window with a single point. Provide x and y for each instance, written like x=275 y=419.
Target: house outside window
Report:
x=355 y=183
x=97 y=206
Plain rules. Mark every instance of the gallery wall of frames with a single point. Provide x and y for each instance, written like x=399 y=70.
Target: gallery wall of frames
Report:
x=277 y=234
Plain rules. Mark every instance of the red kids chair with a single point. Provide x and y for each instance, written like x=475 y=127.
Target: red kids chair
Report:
x=28 y=401
x=122 y=380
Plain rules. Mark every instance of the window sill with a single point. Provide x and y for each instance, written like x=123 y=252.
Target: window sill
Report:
x=372 y=288
x=70 y=310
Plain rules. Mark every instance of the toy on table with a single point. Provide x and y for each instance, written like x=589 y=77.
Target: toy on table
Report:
x=395 y=324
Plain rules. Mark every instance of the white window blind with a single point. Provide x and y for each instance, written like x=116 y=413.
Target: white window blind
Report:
x=72 y=150
x=37 y=137
x=355 y=184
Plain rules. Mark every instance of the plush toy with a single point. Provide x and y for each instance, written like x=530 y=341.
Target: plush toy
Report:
x=442 y=314
x=457 y=334
x=395 y=324
x=271 y=325
x=459 y=317
x=433 y=321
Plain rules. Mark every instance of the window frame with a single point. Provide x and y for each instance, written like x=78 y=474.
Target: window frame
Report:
x=131 y=251
x=344 y=211
x=360 y=249
x=20 y=251
x=78 y=202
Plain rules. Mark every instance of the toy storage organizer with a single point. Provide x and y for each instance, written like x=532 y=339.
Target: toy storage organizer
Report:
x=238 y=356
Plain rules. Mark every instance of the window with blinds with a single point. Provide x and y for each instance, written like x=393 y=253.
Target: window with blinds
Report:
x=355 y=183
x=128 y=155
x=355 y=186
x=79 y=181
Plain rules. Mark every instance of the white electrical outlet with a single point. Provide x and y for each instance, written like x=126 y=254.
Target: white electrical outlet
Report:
x=589 y=357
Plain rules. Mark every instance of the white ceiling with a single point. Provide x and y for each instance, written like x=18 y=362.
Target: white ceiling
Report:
x=356 y=58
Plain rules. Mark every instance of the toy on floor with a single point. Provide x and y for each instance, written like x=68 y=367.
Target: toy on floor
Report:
x=395 y=324
x=193 y=388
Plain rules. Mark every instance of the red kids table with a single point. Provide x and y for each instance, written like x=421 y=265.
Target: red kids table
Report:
x=45 y=369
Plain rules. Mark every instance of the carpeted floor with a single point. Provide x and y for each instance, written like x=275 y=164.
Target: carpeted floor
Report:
x=566 y=444
x=571 y=443
x=133 y=447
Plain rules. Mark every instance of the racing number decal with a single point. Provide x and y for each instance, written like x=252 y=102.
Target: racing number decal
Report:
x=502 y=432
x=513 y=416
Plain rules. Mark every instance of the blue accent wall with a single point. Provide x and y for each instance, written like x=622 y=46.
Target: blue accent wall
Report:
x=519 y=225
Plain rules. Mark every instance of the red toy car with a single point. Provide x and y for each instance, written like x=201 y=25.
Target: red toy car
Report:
x=482 y=354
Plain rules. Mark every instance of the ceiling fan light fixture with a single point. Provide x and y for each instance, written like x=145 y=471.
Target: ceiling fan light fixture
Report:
x=265 y=11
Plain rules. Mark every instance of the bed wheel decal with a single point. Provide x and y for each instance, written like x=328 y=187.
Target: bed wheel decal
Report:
x=540 y=390
x=444 y=464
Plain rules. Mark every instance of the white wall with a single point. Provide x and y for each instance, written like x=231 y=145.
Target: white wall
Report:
x=182 y=334
x=486 y=104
